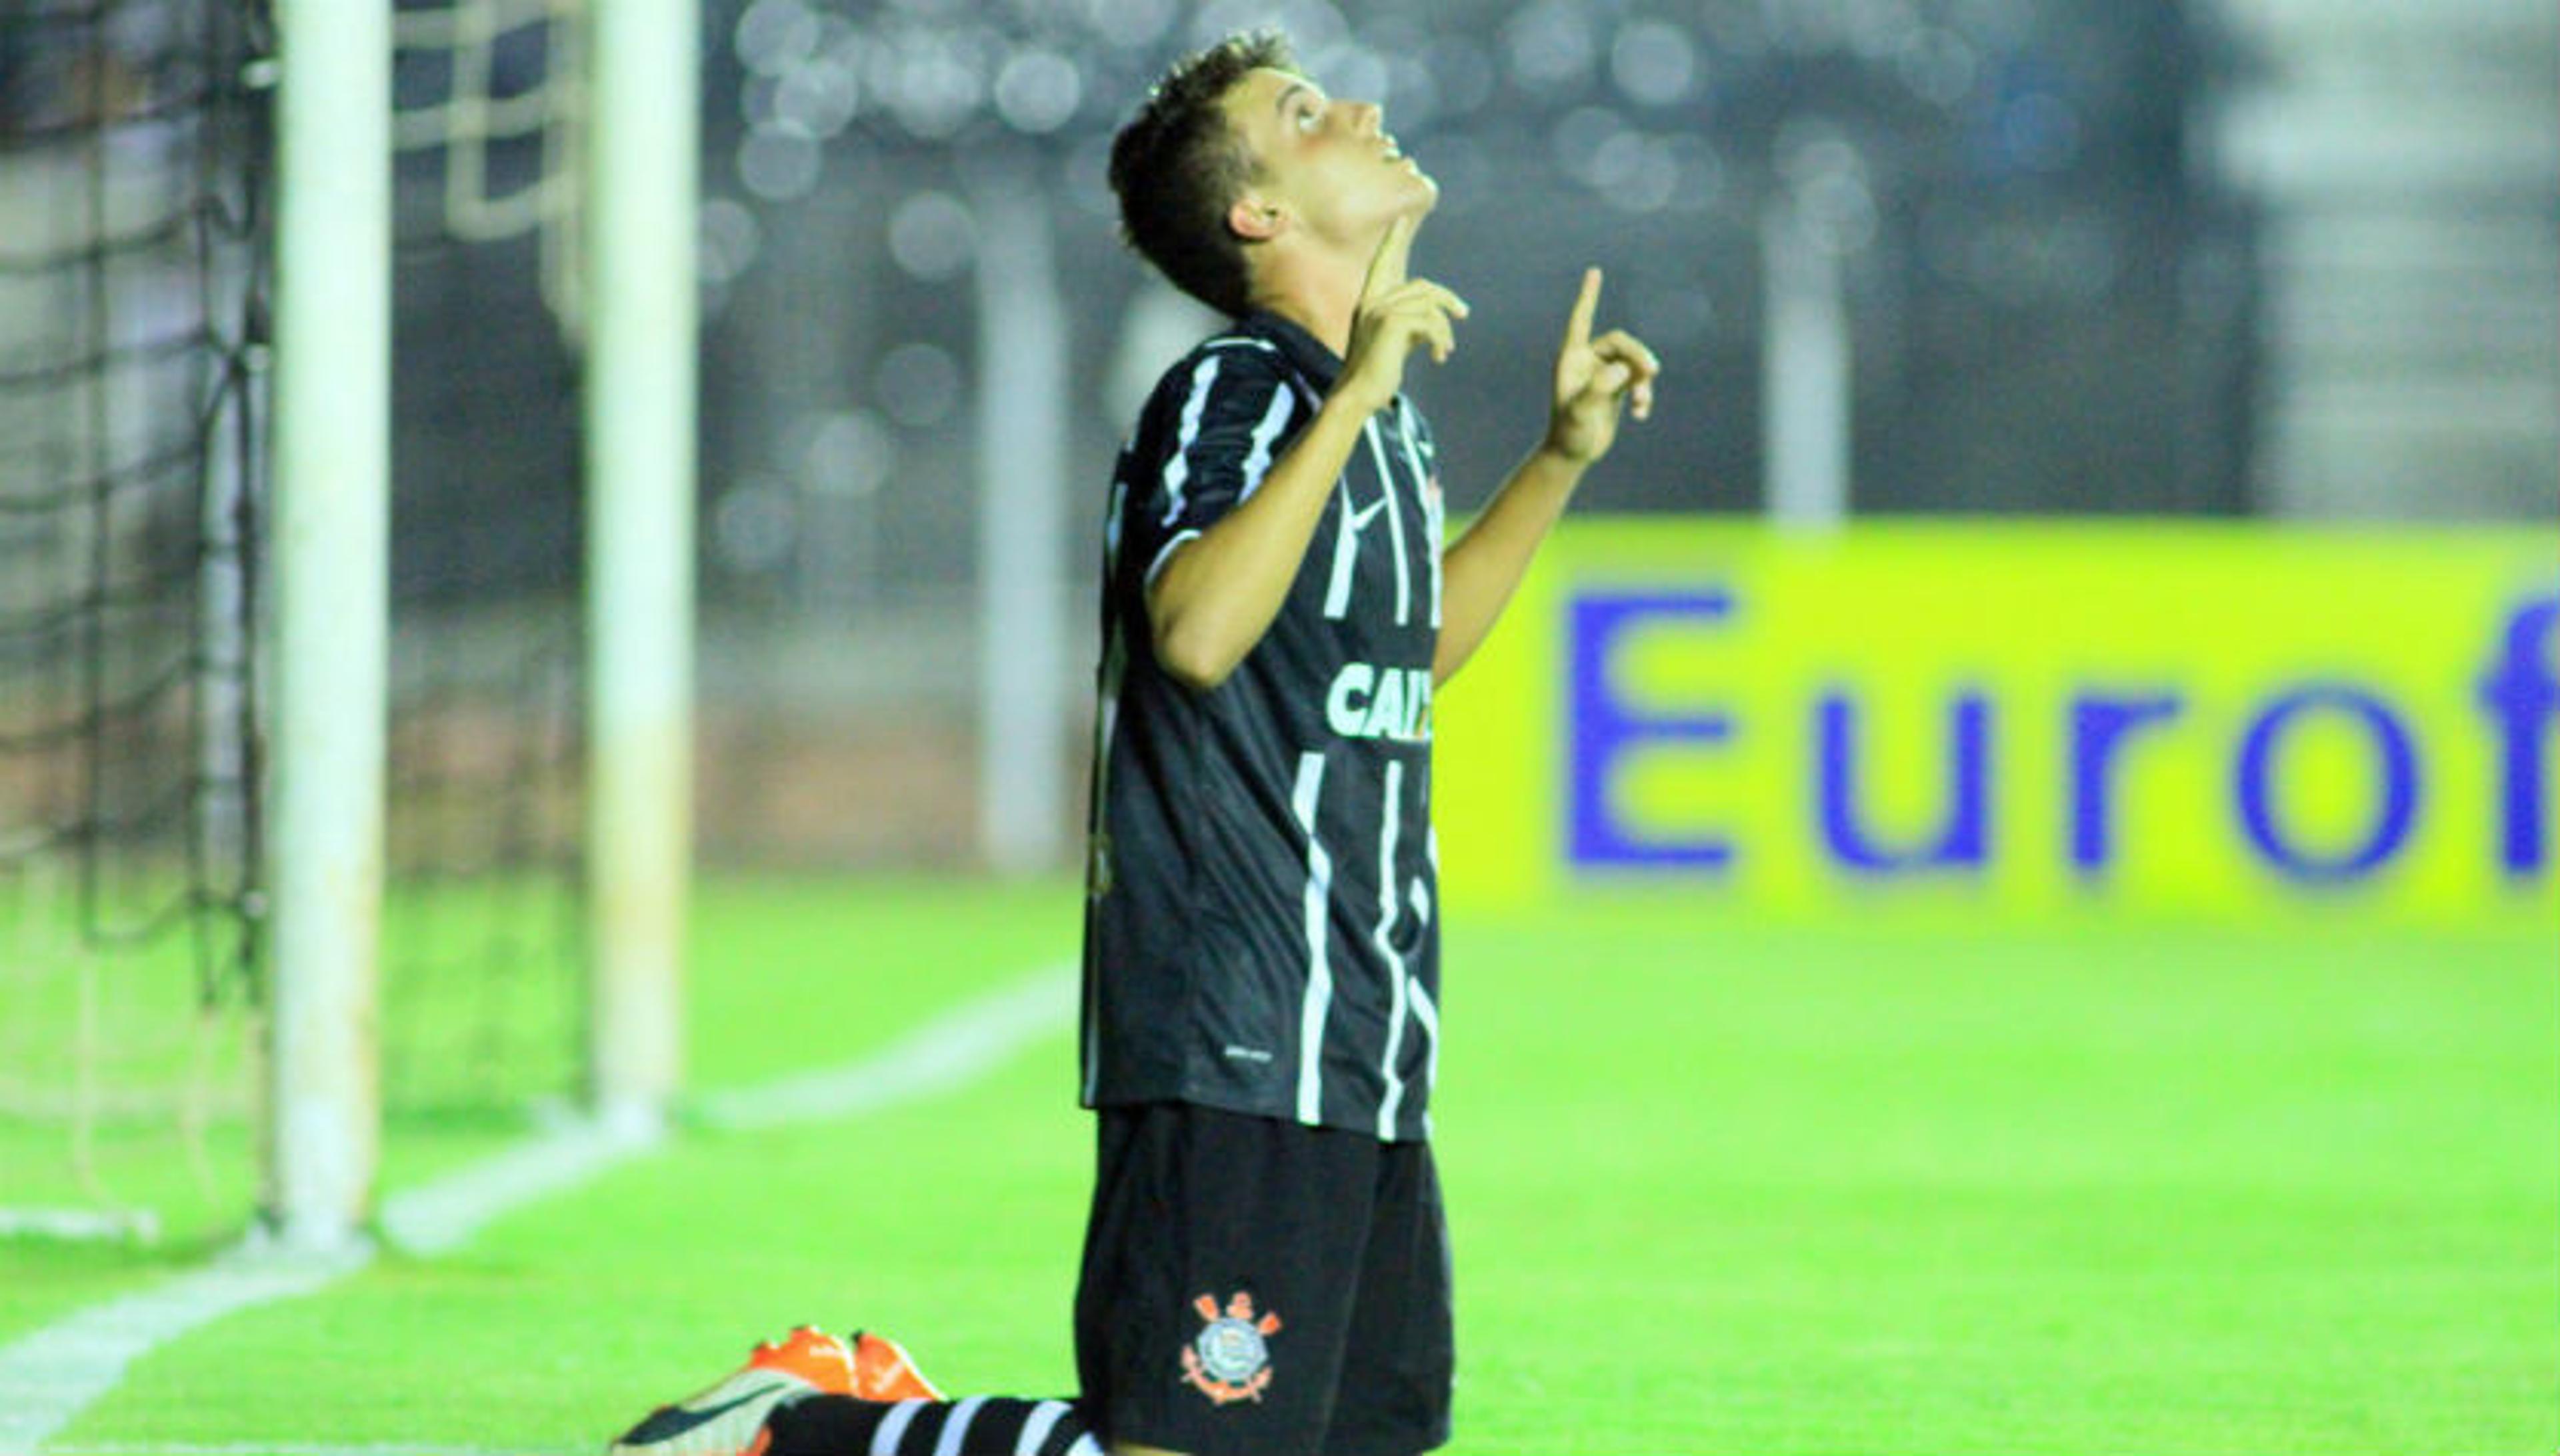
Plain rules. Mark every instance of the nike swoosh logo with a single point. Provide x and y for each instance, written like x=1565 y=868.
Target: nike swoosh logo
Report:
x=670 y=1421
x=1361 y=516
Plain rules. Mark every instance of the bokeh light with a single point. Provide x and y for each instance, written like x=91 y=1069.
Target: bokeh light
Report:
x=919 y=384
x=933 y=236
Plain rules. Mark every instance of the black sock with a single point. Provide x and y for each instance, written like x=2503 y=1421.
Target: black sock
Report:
x=989 y=1425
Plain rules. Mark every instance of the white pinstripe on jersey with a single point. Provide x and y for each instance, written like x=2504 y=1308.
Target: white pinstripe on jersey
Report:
x=1319 y=967
x=1274 y=421
x=1431 y=510
x=1391 y=814
x=1394 y=522
x=1178 y=470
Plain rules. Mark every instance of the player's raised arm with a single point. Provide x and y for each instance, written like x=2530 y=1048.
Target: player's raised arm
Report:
x=1596 y=380
x=1218 y=593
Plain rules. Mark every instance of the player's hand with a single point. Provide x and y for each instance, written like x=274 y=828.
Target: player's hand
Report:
x=1394 y=313
x=1594 y=379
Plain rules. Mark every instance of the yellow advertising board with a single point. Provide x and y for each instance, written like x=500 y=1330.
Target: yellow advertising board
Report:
x=2012 y=717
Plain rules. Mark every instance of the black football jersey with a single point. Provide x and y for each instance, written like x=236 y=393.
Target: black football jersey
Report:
x=1262 y=913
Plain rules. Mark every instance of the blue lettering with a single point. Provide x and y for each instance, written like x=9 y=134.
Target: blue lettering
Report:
x=1606 y=730
x=1965 y=843
x=2521 y=692
x=2399 y=763
x=2098 y=726
x=2517 y=690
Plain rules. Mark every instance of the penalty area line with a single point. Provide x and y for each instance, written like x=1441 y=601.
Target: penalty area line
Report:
x=49 y=1377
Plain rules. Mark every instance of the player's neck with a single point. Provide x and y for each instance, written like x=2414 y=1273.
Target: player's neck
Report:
x=1317 y=295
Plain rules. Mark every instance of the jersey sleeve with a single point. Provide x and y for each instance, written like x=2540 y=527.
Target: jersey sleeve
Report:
x=1228 y=411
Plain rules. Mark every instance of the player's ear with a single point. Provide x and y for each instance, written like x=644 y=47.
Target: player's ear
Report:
x=1255 y=219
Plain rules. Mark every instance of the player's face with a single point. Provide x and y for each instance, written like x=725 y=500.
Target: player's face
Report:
x=1329 y=164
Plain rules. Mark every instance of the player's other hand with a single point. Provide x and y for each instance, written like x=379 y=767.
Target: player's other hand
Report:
x=1395 y=312
x=1595 y=379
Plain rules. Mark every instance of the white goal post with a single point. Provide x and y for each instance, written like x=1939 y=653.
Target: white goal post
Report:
x=331 y=620
x=643 y=142
x=329 y=628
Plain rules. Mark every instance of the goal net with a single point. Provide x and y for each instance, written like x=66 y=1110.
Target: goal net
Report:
x=134 y=253
x=132 y=181
x=482 y=943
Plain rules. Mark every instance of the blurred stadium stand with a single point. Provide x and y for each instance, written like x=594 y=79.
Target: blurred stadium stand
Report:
x=2098 y=258
x=2053 y=311
x=2225 y=257
x=2406 y=161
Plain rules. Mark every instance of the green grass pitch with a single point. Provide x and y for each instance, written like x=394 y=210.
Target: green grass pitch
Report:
x=1715 y=1185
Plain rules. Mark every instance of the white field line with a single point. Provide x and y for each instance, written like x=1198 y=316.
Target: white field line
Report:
x=117 y=1225
x=943 y=1055
x=307 y=1448
x=53 y=1374
x=49 y=1377
x=440 y=1216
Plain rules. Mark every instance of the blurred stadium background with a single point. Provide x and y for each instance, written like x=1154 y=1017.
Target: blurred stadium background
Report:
x=2261 y=262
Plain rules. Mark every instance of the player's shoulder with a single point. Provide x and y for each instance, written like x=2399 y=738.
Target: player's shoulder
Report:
x=1237 y=355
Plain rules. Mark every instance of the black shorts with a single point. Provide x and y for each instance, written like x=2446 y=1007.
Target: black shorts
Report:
x=1256 y=1286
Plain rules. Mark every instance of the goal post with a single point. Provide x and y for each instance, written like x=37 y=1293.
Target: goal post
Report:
x=640 y=407
x=331 y=621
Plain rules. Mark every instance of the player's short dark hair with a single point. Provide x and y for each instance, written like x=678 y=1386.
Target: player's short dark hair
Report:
x=1179 y=165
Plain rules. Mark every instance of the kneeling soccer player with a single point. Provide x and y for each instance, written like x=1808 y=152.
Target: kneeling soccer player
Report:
x=1266 y=1267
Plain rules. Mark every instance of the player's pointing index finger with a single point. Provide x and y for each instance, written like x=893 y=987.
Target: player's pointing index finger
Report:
x=1577 y=330
x=1386 y=267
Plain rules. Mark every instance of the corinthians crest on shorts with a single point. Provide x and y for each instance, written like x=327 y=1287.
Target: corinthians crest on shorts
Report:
x=1231 y=1359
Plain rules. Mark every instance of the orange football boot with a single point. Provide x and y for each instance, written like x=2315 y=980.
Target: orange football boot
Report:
x=883 y=1371
x=727 y=1419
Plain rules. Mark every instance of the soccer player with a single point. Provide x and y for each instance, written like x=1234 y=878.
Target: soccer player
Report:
x=1266 y=1266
